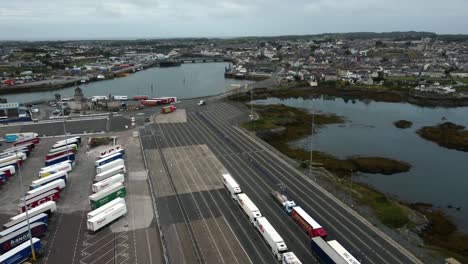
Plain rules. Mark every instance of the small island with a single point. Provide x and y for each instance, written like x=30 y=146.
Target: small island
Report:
x=448 y=135
x=403 y=124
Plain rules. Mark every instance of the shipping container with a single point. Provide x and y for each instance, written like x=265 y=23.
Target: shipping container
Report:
x=62 y=158
x=231 y=185
x=13 y=157
x=324 y=252
x=98 y=186
x=103 y=219
x=118 y=200
x=43 y=181
x=272 y=238
x=34 y=201
x=109 y=173
x=115 y=156
x=47 y=207
x=18 y=234
x=106 y=195
x=21 y=253
x=57 y=183
x=8 y=170
x=248 y=207
x=110 y=151
x=342 y=252
x=20 y=136
x=27 y=142
x=307 y=223
x=290 y=258
x=58 y=154
x=64 y=166
x=15 y=163
x=73 y=147
x=68 y=141
x=110 y=165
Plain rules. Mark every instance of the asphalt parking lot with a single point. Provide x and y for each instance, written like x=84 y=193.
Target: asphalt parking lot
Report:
x=133 y=238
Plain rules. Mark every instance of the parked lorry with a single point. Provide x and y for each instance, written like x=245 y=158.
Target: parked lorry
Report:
x=64 y=166
x=13 y=137
x=21 y=253
x=324 y=252
x=284 y=202
x=342 y=252
x=43 y=181
x=106 y=195
x=105 y=160
x=109 y=165
x=27 y=142
x=271 y=237
x=231 y=185
x=290 y=258
x=8 y=170
x=16 y=235
x=168 y=109
x=307 y=223
x=47 y=207
x=249 y=207
x=105 y=207
x=98 y=186
x=120 y=169
x=103 y=219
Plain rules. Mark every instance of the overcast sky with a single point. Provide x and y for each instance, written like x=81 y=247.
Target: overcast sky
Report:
x=101 y=19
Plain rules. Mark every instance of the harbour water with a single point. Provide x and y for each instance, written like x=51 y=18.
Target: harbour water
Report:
x=186 y=81
x=438 y=175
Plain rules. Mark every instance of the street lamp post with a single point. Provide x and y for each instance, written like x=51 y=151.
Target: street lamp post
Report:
x=25 y=206
x=311 y=140
x=65 y=132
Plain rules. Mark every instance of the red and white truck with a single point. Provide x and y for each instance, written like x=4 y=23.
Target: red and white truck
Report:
x=307 y=223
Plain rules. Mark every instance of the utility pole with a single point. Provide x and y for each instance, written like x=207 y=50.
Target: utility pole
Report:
x=311 y=139
x=25 y=207
x=65 y=131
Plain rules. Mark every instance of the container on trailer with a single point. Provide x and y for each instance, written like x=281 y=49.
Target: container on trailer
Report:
x=231 y=185
x=271 y=237
x=28 y=142
x=105 y=218
x=34 y=201
x=58 y=154
x=140 y=97
x=54 y=184
x=70 y=141
x=73 y=147
x=110 y=151
x=16 y=156
x=43 y=181
x=9 y=152
x=18 y=234
x=290 y=258
x=150 y=102
x=283 y=201
x=64 y=166
x=47 y=207
x=168 y=109
x=249 y=207
x=22 y=252
x=20 y=136
x=110 y=165
x=324 y=252
x=121 y=150
x=307 y=223
x=62 y=158
x=15 y=163
x=162 y=100
x=115 y=156
x=342 y=252
x=120 y=169
x=106 y=195
x=8 y=170
x=118 y=200
x=98 y=186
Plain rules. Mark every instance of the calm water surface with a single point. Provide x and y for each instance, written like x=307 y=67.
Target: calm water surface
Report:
x=188 y=80
x=438 y=176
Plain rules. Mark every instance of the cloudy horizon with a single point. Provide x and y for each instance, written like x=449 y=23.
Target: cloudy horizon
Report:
x=128 y=19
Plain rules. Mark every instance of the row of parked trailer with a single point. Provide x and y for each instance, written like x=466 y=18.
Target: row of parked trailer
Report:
x=39 y=201
x=107 y=200
x=270 y=235
x=328 y=252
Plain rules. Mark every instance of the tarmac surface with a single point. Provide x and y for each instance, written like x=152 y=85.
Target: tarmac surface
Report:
x=191 y=191
x=133 y=238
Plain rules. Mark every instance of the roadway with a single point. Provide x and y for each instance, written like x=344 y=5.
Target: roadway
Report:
x=259 y=171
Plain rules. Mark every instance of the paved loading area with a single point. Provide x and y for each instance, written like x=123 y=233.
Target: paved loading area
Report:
x=199 y=221
x=134 y=238
x=179 y=116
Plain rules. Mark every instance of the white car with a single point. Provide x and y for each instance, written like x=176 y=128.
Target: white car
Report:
x=202 y=102
x=35 y=110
